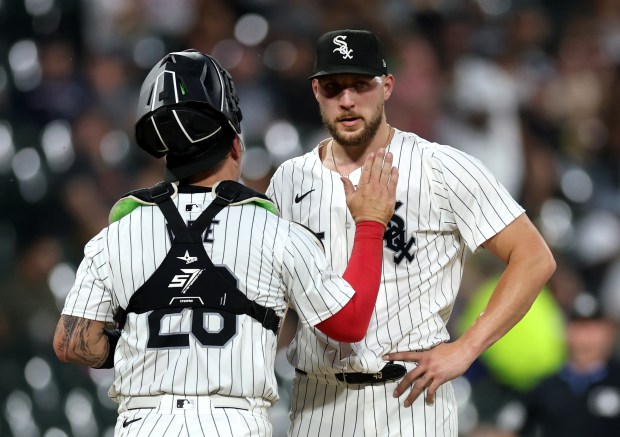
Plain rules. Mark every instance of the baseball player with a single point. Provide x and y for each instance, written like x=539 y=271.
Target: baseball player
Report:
x=196 y=272
x=446 y=203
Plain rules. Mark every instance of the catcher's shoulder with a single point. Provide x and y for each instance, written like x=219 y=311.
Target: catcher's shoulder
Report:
x=141 y=197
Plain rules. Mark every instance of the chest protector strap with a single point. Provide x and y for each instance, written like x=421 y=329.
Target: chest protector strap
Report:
x=187 y=278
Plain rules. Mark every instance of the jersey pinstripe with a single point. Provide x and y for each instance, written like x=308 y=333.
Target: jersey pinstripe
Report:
x=447 y=201
x=369 y=410
x=275 y=262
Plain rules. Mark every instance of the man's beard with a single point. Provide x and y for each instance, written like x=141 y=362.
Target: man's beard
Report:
x=360 y=138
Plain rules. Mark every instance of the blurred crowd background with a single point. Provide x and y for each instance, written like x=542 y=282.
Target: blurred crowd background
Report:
x=530 y=87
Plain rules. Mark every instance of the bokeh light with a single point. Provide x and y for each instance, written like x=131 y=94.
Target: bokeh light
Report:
x=24 y=62
x=38 y=7
x=7 y=148
x=256 y=163
x=60 y=280
x=58 y=146
x=282 y=141
x=229 y=52
x=26 y=164
x=115 y=147
x=79 y=411
x=38 y=373
x=147 y=51
x=576 y=185
x=251 y=29
x=556 y=222
x=280 y=55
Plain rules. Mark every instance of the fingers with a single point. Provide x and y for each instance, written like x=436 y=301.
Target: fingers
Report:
x=378 y=167
x=417 y=383
x=367 y=169
x=386 y=167
x=417 y=380
x=407 y=382
x=403 y=356
x=348 y=186
x=417 y=389
x=393 y=181
x=374 y=197
x=430 y=393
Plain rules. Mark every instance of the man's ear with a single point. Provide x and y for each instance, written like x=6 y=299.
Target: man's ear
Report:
x=315 y=88
x=237 y=148
x=388 y=85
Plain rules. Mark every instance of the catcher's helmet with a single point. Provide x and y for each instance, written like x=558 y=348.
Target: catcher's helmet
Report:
x=187 y=104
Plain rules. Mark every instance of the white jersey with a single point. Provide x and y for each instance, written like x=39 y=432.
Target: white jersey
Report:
x=275 y=262
x=447 y=201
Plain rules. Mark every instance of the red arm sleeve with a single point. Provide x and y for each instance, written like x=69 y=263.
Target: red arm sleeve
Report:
x=364 y=274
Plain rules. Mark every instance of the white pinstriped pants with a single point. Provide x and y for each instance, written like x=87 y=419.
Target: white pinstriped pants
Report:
x=200 y=419
x=323 y=406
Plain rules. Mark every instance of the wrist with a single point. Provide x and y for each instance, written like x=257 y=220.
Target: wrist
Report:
x=369 y=229
x=367 y=219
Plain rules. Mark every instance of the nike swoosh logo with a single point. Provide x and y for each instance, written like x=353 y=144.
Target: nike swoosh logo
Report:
x=299 y=198
x=126 y=423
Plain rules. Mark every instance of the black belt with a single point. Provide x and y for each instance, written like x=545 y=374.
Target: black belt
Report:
x=390 y=372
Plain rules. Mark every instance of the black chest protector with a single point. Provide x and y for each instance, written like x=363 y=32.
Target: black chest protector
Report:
x=187 y=278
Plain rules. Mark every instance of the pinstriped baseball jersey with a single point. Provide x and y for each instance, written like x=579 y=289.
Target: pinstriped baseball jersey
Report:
x=447 y=201
x=275 y=262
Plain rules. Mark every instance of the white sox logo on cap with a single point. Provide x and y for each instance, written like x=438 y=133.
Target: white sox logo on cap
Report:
x=343 y=48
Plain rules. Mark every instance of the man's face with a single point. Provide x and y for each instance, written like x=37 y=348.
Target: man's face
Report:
x=590 y=341
x=352 y=105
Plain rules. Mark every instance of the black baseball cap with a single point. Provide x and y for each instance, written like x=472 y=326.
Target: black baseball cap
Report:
x=349 y=51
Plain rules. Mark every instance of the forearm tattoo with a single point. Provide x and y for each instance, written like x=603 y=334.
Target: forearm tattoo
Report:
x=87 y=346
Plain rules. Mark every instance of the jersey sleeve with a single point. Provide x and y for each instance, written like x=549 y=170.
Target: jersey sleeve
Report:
x=282 y=185
x=480 y=205
x=275 y=188
x=314 y=290
x=89 y=297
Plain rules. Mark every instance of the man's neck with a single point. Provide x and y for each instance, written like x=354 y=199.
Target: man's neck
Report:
x=228 y=171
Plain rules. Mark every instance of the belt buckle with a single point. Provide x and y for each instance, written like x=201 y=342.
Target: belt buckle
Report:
x=378 y=376
x=344 y=376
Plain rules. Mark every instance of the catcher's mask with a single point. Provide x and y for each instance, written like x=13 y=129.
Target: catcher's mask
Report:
x=187 y=111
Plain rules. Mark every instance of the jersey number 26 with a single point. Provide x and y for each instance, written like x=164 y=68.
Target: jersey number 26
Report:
x=203 y=328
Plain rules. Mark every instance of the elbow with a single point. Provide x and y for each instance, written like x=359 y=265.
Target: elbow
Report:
x=539 y=263
x=549 y=264
x=355 y=337
x=347 y=332
x=63 y=346
x=552 y=267
x=60 y=349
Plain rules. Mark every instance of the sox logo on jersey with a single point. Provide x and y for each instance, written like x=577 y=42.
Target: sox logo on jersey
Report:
x=396 y=237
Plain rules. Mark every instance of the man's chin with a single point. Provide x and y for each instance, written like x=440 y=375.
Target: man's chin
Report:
x=350 y=138
x=348 y=135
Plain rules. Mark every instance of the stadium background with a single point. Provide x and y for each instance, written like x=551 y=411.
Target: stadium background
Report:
x=531 y=87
